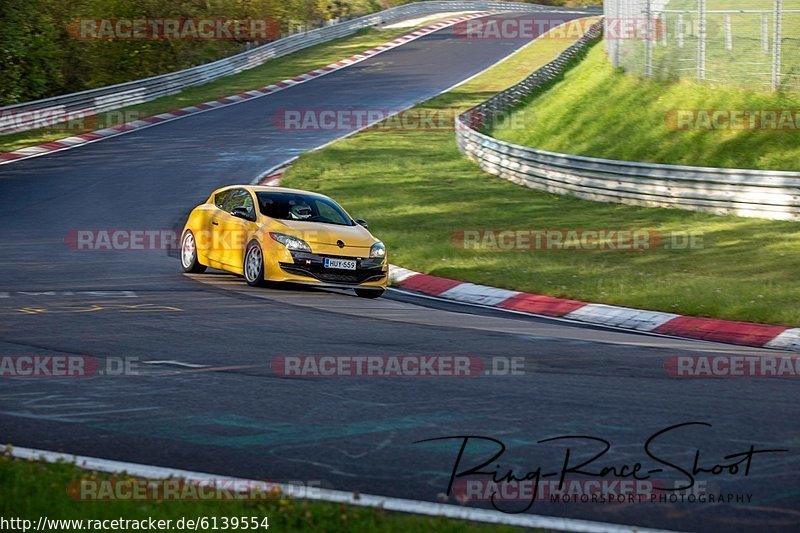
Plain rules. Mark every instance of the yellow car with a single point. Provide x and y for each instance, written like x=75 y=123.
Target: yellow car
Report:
x=284 y=235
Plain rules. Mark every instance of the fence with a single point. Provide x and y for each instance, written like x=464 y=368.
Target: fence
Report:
x=753 y=193
x=29 y=115
x=746 y=42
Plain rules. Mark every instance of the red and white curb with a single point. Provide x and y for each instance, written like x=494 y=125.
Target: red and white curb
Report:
x=708 y=329
x=136 y=125
x=326 y=495
x=273 y=176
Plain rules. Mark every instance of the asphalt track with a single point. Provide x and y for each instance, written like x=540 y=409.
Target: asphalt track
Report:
x=235 y=416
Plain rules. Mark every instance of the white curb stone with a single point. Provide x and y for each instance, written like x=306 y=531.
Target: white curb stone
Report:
x=71 y=141
x=622 y=317
x=788 y=340
x=399 y=274
x=478 y=294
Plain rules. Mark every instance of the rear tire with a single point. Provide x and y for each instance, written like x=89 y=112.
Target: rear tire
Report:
x=253 y=267
x=369 y=293
x=189 y=261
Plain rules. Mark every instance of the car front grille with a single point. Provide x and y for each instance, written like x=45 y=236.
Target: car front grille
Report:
x=312 y=265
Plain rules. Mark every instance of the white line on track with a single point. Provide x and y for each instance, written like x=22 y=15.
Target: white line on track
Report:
x=335 y=496
x=176 y=363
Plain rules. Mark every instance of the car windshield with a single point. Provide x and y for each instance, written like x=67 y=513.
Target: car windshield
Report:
x=297 y=206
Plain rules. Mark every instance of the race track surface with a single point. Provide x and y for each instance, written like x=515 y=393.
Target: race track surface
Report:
x=231 y=413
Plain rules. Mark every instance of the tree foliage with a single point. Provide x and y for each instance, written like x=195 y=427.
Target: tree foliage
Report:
x=40 y=58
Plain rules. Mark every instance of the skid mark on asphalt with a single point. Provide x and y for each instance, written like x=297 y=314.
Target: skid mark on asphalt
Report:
x=75 y=417
x=91 y=294
x=62 y=407
x=235 y=431
x=77 y=403
x=89 y=308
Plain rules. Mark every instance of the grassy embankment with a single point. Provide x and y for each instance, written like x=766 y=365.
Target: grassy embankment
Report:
x=602 y=112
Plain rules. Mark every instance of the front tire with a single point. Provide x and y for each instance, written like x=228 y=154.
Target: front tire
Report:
x=189 y=261
x=369 y=293
x=254 y=265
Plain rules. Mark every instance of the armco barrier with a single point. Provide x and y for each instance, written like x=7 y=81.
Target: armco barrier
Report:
x=29 y=115
x=751 y=193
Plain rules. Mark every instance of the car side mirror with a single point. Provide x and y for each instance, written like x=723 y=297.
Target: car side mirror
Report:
x=362 y=222
x=242 y=212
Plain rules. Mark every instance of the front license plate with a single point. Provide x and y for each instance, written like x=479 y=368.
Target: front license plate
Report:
x=345 y=264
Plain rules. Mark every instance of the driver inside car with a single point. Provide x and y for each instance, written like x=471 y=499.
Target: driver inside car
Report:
x=300 y=212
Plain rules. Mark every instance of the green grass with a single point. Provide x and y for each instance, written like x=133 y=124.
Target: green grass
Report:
x=599 y=111
x=34 y=489
x=270 y=72
x=416 y=189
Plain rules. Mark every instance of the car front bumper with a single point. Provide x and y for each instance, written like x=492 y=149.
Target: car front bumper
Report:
x=309 y=267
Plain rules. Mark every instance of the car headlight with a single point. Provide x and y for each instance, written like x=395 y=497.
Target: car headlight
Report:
x=291 y=243
x=377 y=250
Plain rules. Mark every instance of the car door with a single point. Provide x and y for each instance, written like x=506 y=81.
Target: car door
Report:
x=235 y=232
x=210 y=242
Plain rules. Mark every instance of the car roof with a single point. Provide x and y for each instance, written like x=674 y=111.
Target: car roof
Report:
x=269 y=188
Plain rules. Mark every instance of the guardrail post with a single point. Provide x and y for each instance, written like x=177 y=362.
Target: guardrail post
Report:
x=777 y=46
x=649 y=38
x=611 y=21
x=701 y=40
x=728 y=34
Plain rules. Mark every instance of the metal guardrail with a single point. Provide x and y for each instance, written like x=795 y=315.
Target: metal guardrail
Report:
x=30 y=115
x=751 y=193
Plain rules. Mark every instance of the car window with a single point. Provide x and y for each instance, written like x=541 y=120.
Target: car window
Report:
x=298 y=206
x=238 y=198
x=219 y=198
x=326 y=211
x=247 y=201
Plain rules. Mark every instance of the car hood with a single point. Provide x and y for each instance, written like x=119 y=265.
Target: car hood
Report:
x=319 y=233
